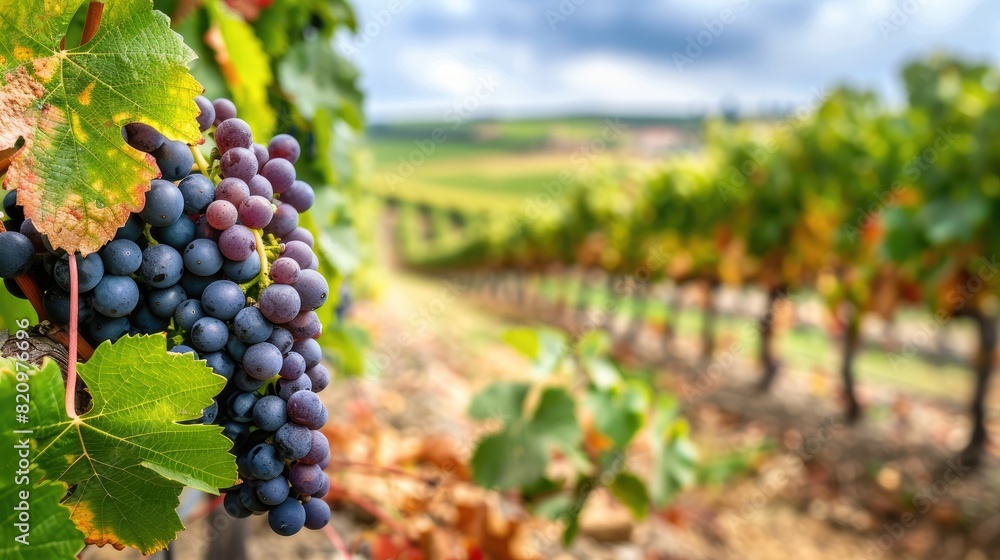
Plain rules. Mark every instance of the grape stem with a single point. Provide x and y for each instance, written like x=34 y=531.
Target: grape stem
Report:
x=199 y=159
x=337 y=541
x=147 y=230
x=264 y=276
x=74 y=313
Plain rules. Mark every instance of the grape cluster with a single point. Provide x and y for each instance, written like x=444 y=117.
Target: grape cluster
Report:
x=225 y=270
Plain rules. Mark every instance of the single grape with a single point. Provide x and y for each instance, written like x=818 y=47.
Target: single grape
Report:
x=250 y=500
x=164 y=302
x=240 y=406
x=29 y=230
x=116 y=296
x=223 y=299
x=312 y=288
x=240 y=163
x=300 y=196
x=243 y=382
x=162 y=266
x=221 y=215
x=288 y=387
x=300 y=234
x=305 y=479
x=280 y=173
x=251 y=327
x=236 y=347
x=203 y=257
x=304 y=407
x=174 y=160
x=280 y=303
x=232 y=189
x=293 y=441
x=132 y=230
x=318 y=450
x=317 y=514
x=241 y=271
x=262 y=361
x=209 y=334
x=121 y=257
x=144 y=137
x=298 y=252
x=188 y=313
x=144 y=321
x=10 y=207
x=285 y=271
x=56 y=304
x=178 y=234
x=265 y=463
x=260 y=152
x=273 y=492
x=237 y=432
x=182 y=349
x=284 y=146
x=319 y=376
x=270 y=413
x=260 y=186
x=324 y=487
x=234 y=507
x=195 y=285
x=18 y=254
x=306 y=325
x=107 y=328
x=310 y=350
x=198 y=192
x=256 y=212
x=233 y=133
x=90 y=270
x=221 y=363
x=314 y=264
x=323 y=465
x=287 y=518
x=164 y=204
x=207 y=112
x=238 y=243
x=282 y=340
x=202 y=229
x=293 y=366
x=224 y=110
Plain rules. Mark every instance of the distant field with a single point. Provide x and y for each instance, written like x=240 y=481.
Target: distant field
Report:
x=493 y=166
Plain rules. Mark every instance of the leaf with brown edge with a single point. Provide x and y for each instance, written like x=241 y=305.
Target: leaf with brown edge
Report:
x=76 y=177
x=127 y=459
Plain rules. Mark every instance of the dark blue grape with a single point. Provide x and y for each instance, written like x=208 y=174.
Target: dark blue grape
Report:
x=240 y=406
x=162 y=266
x=18 y=254
x=287 y=518
x=282 y=340
x=223 y=299
x=206 y=116
x=273 y=492
x=121 y=257
x=236 y=347
x=242 y=272
x=251 y=326
x=90 y=270
x=317 y=514
x=164 y=204
x=262 y=361
x=237 y=432
x=210 y=413
x=221 y=363
x=269 y=413
x=182 y=349
x=132 y=229
x=188 y=313
x=198 y=192
x=143 y=137
x=145 y=321
x=165 y=302
x=106 y=328
x=243 y=382
x=178 y=234
x=234 y=507
x=37 y=241
x=174 y=160
x=56 y=304
x=10 y=207
x=202 y=257
x=249 y=499
x=293 y=441
x=195 y=285
x=265 y=463
x=116 y=296
x=209 y=334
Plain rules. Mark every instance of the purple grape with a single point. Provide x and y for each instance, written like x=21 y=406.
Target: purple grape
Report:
x=317 y=513
x=305 y=325
x=300 y=196
x=285 y=271
x=260 y=186
x=318 y=451
x=300 y=234
x=221 y=215
x=313 y=289
x=280 y=173
x=224 y=110
x=280 y=303
x=233 y=133
x=306 y=409
x=293 y=366
x=262 y=361
x=292 y=440
x=319 y=376
x=284 y=146
x=310 y=350
x=144 y=137
x=237 y=243
x=240 y=163
x=256 y=212
x=284 y=221
x=207 y=115
x=232 y=189
x=298 y=252
x=203 y=230
x=288 y=387
x=282 y=339
x=260 y=152
x=306 y=479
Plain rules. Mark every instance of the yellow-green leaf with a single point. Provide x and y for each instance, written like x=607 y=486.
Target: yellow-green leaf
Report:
x=76 y=177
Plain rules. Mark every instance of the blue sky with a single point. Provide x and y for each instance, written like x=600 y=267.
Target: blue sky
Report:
x=440 y=59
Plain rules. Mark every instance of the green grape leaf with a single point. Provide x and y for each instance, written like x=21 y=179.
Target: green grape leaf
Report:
x=632 y=493
x=315 y=77
x=34 y=524
x=554 y=422
x=544 y=347
x=509 y=459
x=620 y=412
x=127 y=457
x=76 y=177
x=675 y=458
x=245 y=67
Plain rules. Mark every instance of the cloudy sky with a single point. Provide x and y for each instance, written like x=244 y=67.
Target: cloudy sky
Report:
x=440 y=59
